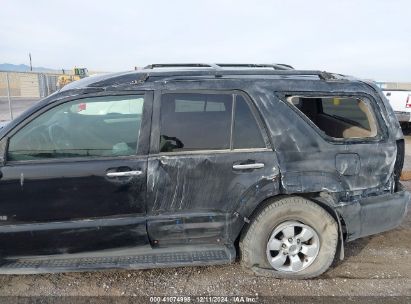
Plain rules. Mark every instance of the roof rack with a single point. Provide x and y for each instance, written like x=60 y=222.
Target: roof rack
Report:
x=222 y=73
x=285 y=65
x=275 y=66
x=181 y=65
x=231 y=69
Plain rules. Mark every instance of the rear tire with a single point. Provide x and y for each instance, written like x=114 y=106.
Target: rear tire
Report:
x=290 y=238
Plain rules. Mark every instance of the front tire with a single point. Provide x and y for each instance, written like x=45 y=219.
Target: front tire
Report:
x=290 y=238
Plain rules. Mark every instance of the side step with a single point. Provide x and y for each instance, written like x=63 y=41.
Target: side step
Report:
x=131 y=258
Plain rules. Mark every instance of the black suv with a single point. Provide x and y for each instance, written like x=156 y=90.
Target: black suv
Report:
x=195 y=164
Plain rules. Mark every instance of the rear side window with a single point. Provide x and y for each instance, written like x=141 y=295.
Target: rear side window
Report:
x=191 y=122
x=339 y=117
x=246 y=131
x=198 y=121
x=185 y=105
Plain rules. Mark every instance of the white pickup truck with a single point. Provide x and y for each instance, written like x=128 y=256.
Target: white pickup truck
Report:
x=400 y=101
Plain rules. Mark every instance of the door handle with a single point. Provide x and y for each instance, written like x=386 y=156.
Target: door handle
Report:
x=124 y=173
x=248 y=166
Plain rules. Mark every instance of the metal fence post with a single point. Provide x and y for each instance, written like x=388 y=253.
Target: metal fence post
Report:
x=47 y=84
x=8 y=96
x=41 y=85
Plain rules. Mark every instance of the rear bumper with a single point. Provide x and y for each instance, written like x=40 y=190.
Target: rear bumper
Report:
x=403 y=116
x=374 y=214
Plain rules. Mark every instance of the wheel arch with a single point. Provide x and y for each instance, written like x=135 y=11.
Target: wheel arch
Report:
x=324 y=201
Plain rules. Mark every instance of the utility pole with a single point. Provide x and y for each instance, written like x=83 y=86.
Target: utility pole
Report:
x=31 y=67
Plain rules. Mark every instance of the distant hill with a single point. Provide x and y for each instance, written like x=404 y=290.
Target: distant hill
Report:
x=25 y=68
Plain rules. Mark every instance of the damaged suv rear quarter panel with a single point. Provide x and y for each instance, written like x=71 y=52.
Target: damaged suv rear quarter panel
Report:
x=304 y=152
x=312 y=163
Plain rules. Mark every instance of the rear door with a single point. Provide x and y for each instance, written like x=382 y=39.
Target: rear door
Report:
x=75 y=177
x=210 y=160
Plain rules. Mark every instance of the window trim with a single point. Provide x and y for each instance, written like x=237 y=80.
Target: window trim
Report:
x=142 y=140
x=156 y=122
x=382 y=132
x=232 y=122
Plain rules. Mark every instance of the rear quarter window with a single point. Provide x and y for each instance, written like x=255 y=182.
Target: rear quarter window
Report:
x=339 y=117
x=346 y=109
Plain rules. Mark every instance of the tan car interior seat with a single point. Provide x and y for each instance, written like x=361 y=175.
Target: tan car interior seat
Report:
x=333 y=126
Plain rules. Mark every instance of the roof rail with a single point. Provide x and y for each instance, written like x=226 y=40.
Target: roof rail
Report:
x=275 y=66
x=286 y=65
x=181 y=65
x=243 y=72
x=223 y=69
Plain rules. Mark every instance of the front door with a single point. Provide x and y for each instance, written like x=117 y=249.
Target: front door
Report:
x=210 y=161
x=75 y=177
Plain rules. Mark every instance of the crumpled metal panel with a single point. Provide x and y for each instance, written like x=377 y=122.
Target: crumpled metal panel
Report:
x=307 y=160
x=197 y=196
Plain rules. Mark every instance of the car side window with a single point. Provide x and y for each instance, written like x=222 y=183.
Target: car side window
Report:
x=346 y=109
x=193 y=121
x=246 y=132
x=202 y=121
x=89 y=127
x=339 y=117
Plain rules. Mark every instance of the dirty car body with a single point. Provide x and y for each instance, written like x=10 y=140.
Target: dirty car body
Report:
x=162 y=194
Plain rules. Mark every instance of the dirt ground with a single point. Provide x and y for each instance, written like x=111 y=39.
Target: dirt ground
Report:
x=374 y=266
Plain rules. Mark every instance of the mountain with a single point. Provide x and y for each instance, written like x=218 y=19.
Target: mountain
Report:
x=24 y=68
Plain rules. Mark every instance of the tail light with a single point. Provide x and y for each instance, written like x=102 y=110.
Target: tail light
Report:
x=408 y=102
x=399 y=162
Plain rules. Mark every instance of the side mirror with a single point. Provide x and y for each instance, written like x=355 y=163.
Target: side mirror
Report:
x=3 y=150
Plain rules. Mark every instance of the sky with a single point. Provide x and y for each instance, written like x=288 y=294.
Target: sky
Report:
x=365 y=38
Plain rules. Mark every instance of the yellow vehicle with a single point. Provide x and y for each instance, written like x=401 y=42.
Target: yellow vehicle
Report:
x=64 y=79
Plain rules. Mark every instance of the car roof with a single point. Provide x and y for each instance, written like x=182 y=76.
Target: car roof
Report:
x=190 y=71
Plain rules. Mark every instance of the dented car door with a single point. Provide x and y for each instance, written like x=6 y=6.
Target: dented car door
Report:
x=210 y=161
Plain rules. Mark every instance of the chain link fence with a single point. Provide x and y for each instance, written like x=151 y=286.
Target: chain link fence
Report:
x=19 y=90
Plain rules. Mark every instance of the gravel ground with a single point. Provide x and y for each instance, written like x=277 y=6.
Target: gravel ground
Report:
x=374 y=266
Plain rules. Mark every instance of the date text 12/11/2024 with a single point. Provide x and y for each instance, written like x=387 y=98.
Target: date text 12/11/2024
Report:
x=203 y=299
